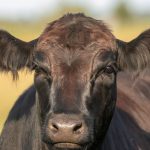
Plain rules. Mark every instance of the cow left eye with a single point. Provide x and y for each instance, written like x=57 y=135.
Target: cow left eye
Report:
x=109 y=70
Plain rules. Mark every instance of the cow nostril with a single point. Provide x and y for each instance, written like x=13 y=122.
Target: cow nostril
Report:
x=77 y=128
x=54 y=127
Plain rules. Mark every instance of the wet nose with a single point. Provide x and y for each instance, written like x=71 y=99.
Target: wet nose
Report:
x=66 y=129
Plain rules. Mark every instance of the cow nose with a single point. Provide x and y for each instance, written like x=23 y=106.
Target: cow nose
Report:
x=66 y=129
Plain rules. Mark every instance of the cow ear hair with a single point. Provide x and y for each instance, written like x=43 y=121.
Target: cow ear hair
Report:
x=134 y=56
x=15 y=54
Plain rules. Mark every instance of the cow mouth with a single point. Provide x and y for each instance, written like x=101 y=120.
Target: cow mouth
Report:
x=68 y=146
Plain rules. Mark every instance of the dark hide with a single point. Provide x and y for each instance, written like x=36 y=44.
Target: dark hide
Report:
x=22 y=129
x=129 y=129
x=76 y=60
x=130 y=126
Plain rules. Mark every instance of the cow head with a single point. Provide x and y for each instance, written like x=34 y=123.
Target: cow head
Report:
x=76 y=60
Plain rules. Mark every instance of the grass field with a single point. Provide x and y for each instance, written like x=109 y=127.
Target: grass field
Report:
x=9 y=90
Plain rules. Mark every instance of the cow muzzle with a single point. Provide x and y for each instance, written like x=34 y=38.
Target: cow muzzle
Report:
x=67 y=131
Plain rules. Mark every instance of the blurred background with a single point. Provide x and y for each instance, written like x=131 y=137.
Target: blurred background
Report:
x=26 y=19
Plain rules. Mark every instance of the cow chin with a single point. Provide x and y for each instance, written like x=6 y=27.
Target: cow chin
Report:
x=69 y=146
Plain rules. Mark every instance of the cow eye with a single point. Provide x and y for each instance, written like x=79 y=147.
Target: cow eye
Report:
x=39 y=70
x=42 y=80
x=42 y=70
x=42 y=74
x=109 y=70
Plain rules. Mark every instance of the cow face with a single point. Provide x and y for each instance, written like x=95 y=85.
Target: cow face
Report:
x=76 y=83
x=76 y=60
x=75 y=98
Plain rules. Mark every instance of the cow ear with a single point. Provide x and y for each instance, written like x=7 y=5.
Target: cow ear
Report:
x=14 y=53
x=134 y=55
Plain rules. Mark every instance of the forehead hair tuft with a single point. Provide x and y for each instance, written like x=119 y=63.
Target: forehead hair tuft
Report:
x=76 y=31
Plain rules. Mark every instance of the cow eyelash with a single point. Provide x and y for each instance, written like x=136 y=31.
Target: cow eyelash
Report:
x=40 y=69
x=47 y=76
x=109 y=69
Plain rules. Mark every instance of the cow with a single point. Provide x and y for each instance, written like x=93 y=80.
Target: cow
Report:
x=71 y=105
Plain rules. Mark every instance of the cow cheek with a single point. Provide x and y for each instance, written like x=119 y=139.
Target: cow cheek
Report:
x=42 y=95
x=101 y=93
x=102 y=105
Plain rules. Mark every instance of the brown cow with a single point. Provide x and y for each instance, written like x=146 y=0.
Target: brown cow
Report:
x=72 y=101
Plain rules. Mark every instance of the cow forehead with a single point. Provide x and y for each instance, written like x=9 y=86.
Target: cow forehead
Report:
x=75 y=32
x=71 y=43
x=67 y=63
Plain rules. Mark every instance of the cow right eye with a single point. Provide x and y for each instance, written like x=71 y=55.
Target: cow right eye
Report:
x=109 y=70
x=42 y=77
x=42 y=71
